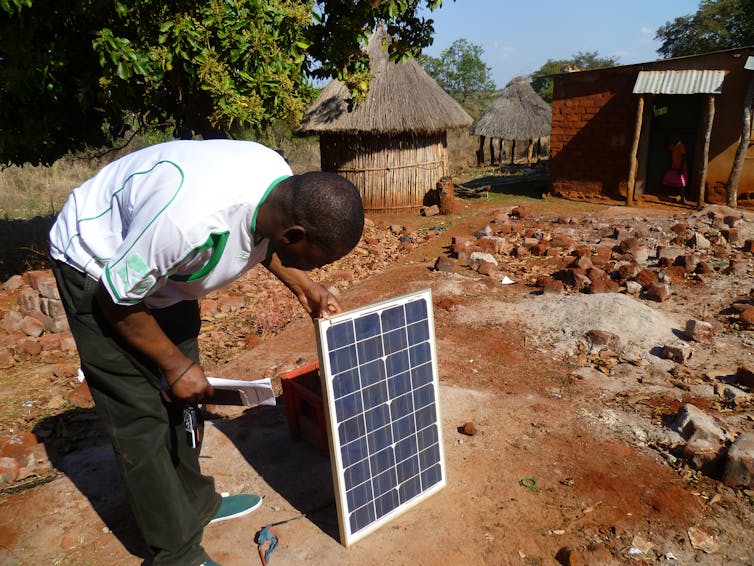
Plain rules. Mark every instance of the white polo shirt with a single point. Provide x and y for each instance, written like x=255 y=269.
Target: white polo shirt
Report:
x=170 y=222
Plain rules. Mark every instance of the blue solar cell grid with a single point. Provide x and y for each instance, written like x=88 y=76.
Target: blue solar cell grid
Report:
x=381 y=383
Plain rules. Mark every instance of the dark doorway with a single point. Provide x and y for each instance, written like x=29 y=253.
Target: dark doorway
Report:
x=671 y=115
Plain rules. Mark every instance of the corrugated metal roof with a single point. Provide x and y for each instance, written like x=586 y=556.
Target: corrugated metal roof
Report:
x=680 y=82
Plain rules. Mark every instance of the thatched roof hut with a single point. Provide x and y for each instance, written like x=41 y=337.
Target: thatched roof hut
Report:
x=393 y=145
x=518 y=114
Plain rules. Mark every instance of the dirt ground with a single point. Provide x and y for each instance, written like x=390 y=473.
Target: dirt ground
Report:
x=607 y=488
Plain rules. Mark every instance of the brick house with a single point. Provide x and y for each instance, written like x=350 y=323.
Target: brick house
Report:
x=611 y=127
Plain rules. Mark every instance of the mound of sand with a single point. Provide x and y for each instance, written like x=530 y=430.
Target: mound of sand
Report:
x=561 y=320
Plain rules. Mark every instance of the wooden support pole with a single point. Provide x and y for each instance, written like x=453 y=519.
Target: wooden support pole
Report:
x=634 y=165
x=709 y=119
x=513 y=152
x=492 y=151
x=480 y=152
x=738 y=161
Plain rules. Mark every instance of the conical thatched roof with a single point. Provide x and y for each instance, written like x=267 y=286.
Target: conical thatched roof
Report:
x=402 y=97
x=519 y=114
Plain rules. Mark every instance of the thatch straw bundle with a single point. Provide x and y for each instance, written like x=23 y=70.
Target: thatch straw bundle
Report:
x=518 y=114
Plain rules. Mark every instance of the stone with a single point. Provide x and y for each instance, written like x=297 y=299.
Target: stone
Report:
x=745 y=376
x=582 y=262
x=730 y=235
x=32 y=327
x=469 y=429
x=56 y=324
x=699 y=331
x=694 y=424
x=433 y=210
x=48 y=288
x=598 y=340
x=646 y=278
x=81 y=396
x=746 y=317
x=487 y=268
x=659 y=292
x=633 y=288
x=14 y=283
x=679 y=228
x=699 y=241
x=739 y=466
x=476 y=258
x=444 y=264
x=688 y=262
x=669 y=253
x=50 y=342
x=672 y=353
x=492 y=244
x=550 y=285
x=31 y=347
x=8 y=471
x=603 y=285
x=51 y=307
x=12 y=321
x=29 y=299
x=705 y=455
x=519 y=212
x=675 y=274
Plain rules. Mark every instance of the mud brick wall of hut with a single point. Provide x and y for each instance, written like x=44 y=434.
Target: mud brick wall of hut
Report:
x=592 y=133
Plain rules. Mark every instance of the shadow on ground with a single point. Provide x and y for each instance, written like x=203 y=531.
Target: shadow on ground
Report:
x=292 y=468
x=77 y=446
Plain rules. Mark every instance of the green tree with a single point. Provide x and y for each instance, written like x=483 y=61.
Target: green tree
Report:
x=541 y=80
x=716 y=25
x=460 y=70
x=82 y=73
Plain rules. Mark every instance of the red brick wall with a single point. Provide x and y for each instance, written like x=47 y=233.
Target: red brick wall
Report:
x=592 y=133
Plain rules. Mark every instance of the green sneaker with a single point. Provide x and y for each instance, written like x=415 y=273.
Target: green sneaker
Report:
x=233 y=506
x=209 y=562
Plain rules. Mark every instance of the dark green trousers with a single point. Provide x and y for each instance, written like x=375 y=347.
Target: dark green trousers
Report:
x=170 y=498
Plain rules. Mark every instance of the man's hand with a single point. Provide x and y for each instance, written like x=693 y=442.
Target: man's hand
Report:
x=190 y=385
x=318 y=301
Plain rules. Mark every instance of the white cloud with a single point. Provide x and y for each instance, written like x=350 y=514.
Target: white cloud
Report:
x=502 y=51
x=647 y=35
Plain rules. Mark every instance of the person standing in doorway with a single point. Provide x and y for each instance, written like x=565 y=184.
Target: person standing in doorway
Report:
x=677 y=176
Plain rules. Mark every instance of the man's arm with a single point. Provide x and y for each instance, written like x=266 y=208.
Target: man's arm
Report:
x=315 y=299
x=139 y=328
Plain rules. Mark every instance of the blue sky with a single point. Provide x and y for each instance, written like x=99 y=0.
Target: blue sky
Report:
x=518 y=37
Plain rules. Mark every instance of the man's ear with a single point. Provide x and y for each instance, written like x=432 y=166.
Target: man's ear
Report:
x=293 y=235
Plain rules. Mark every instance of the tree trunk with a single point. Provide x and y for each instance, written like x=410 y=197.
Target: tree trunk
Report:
x=634 y=165
x=738 y=161
x=705 y=150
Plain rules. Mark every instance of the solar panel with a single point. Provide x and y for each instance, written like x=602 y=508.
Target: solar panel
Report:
x=379 y=373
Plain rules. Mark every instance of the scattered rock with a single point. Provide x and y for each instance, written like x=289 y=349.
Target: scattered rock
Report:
x=739 y=467
x=699 y=331
x=468 y=428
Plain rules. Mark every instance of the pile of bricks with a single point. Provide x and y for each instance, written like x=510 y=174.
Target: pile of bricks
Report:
x=32 y=319
x=639 y=257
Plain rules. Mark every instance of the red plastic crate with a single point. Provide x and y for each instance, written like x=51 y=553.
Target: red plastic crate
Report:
x=302 y=396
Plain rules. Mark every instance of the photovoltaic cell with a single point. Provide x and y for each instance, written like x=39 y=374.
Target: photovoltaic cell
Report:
x=379 y=369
